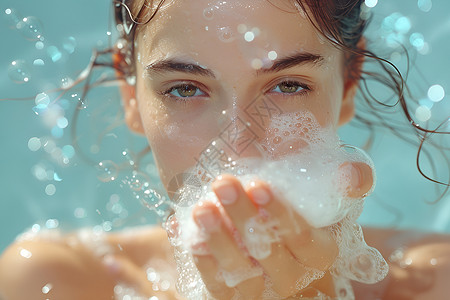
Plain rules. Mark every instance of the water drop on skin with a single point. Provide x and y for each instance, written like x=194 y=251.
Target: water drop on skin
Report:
x=225 y=34
x=208 y=13
x=19 y=72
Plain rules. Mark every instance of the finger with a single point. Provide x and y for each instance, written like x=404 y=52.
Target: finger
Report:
x=208 y=268
x=123 y=270
x=313 y=247
x=358 y=177
x=237 y=269
x=279 y=264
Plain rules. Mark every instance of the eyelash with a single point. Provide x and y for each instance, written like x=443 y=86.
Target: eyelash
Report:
x=304 y=89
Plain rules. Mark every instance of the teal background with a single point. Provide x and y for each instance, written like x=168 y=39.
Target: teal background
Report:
x=400 y=198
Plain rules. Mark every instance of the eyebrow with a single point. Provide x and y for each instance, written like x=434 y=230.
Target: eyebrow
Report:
x=175 y=65
x=291 y=61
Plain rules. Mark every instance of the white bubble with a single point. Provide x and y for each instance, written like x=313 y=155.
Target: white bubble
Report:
x=242 y=28
x=42 y=98
x=38 y=62
x=402 y=25
x=62 y=122
x=68 y=151
x=416 y=39
x=249 y=36
x=34 y=144
x=272 y=55
x=79 y=213
x=39 y=45
x=424 y=5
x=52 y=223
x=50 y=189
x=371 y=3
x=436 y=93
x=423 y=113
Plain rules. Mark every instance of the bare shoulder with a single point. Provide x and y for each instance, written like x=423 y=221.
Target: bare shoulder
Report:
x=29 y=269
x=419 y=265
x=81 y=265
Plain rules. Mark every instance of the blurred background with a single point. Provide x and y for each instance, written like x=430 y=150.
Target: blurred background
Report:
x=47 y=181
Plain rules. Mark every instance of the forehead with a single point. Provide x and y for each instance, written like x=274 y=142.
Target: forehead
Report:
x=241 y=27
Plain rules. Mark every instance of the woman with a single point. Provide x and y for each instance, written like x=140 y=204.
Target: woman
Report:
x=194 y=69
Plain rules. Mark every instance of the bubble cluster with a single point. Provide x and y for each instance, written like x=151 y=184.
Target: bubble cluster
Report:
x=30 y=28
x=107 y=170
x=19 y=71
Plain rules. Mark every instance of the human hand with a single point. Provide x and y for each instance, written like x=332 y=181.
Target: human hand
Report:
x=297 y=253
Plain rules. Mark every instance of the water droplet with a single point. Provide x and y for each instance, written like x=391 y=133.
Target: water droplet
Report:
x=436 y=93
x=46 y=288
x=371 y=3
x=50 y=189
x=30 y=28
x=107 y=171
x=25 y=253
x=208 y=13
x=249 y=36
x=272 y=55
x=423 y=113
x=19 y=71
x=424 y=5
x=39 y=45
x=225 y=34
x=62 y=122
x=38 y=62
x=52 y=223
x=402 y=25
x=34 y=144
x=42 y=98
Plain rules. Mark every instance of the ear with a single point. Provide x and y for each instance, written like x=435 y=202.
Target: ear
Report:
x=128 y=93
x=351 y=85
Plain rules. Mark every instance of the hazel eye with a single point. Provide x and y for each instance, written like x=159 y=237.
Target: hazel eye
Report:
x=289 y=87
x=185 y=91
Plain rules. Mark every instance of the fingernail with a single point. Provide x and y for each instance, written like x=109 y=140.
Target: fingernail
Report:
x=200 y=248
x=260 y=196
x=356 y=177
x=206 y=219
x=225 y=191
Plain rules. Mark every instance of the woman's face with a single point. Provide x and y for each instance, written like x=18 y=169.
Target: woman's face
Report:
x=205 y=66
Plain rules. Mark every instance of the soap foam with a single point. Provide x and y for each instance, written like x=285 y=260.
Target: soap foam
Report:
x=308 y=167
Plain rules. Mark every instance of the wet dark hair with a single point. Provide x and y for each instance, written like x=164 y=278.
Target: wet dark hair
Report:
x=342 y=24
